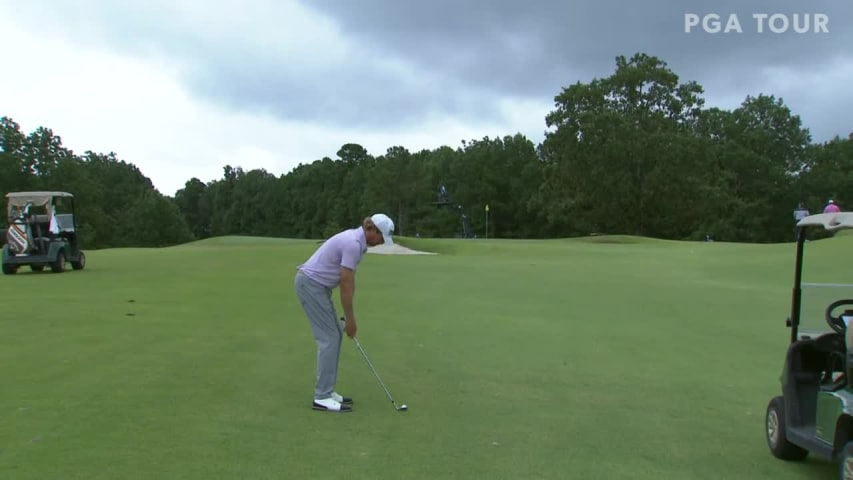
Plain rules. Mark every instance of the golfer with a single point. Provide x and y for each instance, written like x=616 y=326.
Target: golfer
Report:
x=333 y=265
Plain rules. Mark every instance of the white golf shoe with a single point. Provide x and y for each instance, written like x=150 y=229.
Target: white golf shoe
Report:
x=330 y=405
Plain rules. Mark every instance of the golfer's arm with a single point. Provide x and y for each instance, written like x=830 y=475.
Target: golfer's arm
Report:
x=347 y=292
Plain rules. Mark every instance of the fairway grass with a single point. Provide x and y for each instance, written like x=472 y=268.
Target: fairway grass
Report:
x=586 y=359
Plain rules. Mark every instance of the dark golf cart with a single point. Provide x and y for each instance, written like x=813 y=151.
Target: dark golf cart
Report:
x=814 y=414
x=42 y=232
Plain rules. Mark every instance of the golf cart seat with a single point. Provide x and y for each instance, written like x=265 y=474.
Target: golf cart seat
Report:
x=805 y=367
x=835 y=376
x=41 y=225
x=807 y=378
x=818 y=363
x=63 y=222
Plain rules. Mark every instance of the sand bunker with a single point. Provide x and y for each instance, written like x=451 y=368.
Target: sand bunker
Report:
x=395 y=249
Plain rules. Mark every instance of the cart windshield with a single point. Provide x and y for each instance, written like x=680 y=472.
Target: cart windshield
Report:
x=816 y=297
x=825 y=280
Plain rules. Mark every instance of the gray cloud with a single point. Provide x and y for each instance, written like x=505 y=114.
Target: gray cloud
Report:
x=558 y=42
x=563 y=36
x=464 y=55
x=365 y=89
x=351 y=95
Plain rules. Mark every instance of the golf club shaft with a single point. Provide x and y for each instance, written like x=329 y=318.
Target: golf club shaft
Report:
x=374 y=371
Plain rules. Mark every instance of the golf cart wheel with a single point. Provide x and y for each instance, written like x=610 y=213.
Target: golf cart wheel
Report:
x=80 y=263
x=845 y=463
x=777 y=438
x=9 y=269
x=58 y=265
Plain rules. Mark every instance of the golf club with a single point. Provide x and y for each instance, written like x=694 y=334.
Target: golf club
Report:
x=401 y=408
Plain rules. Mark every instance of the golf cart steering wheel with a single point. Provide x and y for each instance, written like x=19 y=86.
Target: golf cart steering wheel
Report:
x=836 y=322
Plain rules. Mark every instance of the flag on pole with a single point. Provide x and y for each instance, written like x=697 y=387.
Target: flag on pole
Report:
x=487 y=207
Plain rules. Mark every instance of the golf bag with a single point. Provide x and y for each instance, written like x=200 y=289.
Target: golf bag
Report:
x=19 y=235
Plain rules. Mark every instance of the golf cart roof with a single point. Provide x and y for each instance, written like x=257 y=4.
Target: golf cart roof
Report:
x=829 y=221
x=19 y=199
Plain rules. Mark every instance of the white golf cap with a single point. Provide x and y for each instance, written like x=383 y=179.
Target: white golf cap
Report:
x=385 y=225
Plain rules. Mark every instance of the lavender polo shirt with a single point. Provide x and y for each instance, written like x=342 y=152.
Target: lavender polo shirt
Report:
x=344 y=249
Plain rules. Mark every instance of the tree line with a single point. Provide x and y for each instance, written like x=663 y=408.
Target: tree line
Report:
x=636 y=153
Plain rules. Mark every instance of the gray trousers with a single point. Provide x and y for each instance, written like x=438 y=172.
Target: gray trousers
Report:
x=317 y=303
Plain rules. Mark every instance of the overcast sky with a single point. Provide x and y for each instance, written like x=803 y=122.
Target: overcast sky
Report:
x=182 y=89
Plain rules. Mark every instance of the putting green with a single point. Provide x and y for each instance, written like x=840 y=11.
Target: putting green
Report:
x=605 y=357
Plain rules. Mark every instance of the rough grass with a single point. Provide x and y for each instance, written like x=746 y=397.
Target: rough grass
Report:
x=518 y=360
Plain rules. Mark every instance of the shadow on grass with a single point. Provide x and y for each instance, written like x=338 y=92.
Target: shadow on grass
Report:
x=814 y=468
x=245 y=241
x=617 y=239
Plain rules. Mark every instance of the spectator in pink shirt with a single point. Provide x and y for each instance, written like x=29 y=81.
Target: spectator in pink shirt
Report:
x=831 y=207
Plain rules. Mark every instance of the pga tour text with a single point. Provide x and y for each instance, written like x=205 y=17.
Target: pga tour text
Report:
x=757 y=22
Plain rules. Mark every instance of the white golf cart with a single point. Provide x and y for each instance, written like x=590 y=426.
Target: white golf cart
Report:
x=814 y=413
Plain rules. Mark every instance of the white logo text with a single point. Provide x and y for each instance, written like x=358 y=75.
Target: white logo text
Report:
x=763 y=23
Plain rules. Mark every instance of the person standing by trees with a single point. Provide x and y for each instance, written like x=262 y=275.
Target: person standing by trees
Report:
x=333 y=265
x=831 y=207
